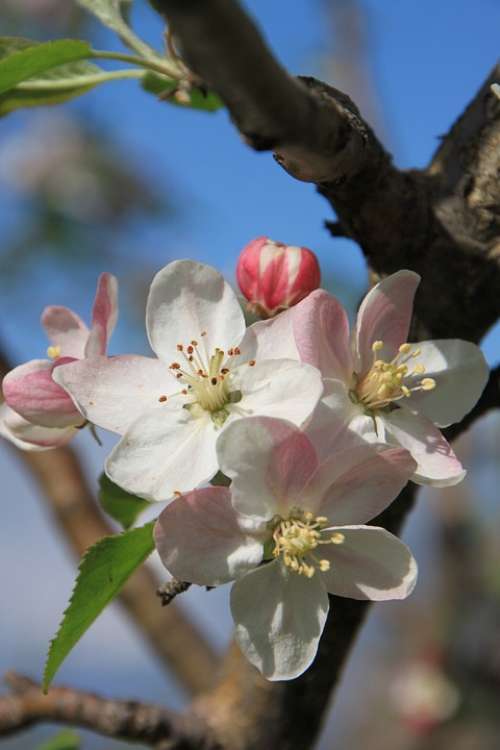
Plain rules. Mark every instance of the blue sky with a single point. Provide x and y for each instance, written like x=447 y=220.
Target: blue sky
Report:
x=427 y=60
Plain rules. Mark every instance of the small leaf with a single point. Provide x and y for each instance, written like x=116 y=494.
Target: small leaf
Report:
x=119 y=504
x=32 y=59
x=114 y=14
x=66 y=740
x=103 y=571
x=162 y=86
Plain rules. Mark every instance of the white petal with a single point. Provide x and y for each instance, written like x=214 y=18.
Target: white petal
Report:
x=65 y=329
x=270 y=462
x=370 y=564
x=279 y=619
x=112 y=392
x=385 y=315
x=30 y=437
x=357 y=484
x=460 y=371
x=190 y=301
x=163 y=452
x=271 y=339
x=278 y=388
x=199 y=540
x=437 y=464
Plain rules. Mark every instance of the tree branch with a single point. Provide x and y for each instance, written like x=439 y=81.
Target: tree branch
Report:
x=173 y=638
x=26 y=705
x=443 y=222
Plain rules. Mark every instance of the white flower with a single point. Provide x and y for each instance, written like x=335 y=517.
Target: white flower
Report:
x=289 y=530
x=375 y=381
x=170 y=410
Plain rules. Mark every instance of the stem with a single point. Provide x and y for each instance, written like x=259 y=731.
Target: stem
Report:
x=164 y=67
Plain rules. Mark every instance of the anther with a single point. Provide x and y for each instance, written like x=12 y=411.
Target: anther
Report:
x=428 y=384
x=54 y=352
x=404 y=348
x=377 y=346
x=180 y=348
x=251 y=363
x=337 y=538
x=213 y=381
x=162 y=399
x=175 y=366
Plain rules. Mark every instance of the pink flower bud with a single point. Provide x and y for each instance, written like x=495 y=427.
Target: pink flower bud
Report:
x=274 y=276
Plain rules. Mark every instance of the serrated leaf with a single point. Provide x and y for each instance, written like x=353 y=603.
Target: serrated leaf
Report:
x=119 y=504
x=198 y=99
x=25 y=60
x=66 y=740
x=102 y=572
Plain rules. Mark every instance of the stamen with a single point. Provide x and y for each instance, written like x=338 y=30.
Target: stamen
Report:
x=428 y=384
x=162 y=399
x=53 y=352
x=296 y=538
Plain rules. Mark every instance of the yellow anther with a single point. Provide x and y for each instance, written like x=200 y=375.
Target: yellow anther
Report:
x=337 y=538
x=377 y=346
x=405 y=348
x=324 y=565
x=54 y=352
x=416 y=353
x=419 y=369
x=428 y=384
x=321 y=520
x=406 y=391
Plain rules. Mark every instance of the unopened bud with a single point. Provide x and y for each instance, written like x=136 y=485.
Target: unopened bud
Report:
x=274 y=276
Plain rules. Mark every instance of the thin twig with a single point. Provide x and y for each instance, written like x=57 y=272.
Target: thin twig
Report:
x=169 y=590
x=26 y=705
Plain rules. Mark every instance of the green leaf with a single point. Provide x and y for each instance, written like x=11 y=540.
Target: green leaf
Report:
x=103 y=571
x=119 y=504
x=22 y=59
x=66 y=740
x=162 y=86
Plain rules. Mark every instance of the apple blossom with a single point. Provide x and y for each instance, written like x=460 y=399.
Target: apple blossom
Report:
x=170 y=410
x=289 y=531
x=30 y=390
x=377 y=383
x=274 y=276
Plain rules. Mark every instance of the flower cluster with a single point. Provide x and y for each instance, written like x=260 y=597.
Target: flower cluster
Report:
x=316 y=430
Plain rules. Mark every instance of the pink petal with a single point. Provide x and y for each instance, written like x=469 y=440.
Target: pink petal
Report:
x=356 y=485
x=437 y=464
x=30 y=390
x=104 y=315
x=321 y=330
x=65 y=329
x=385 y=315
x=199 y=540
x=270 y=462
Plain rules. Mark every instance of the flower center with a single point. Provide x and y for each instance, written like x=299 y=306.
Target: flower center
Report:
x=296 y=538
x=384 y=383
x=207 y=380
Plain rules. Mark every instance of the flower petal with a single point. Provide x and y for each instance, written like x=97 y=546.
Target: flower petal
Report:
x=270 y=462
x=460 y=371
x=104 y=315
x=385 y=315
x=187 y=301
x=271 y=339
x=163 y=452
x=278 y=388
x=370 y=563
x=112 y=392
x=31 y=391
x=437 y=464
x=279 y=618
x=65 y=329
x=199 y=540
x=31 y=437
x=355 y=485
x=330 y=426
x=321 y=329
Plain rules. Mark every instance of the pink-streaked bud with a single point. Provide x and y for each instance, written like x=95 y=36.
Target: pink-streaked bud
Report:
x=274 y=276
